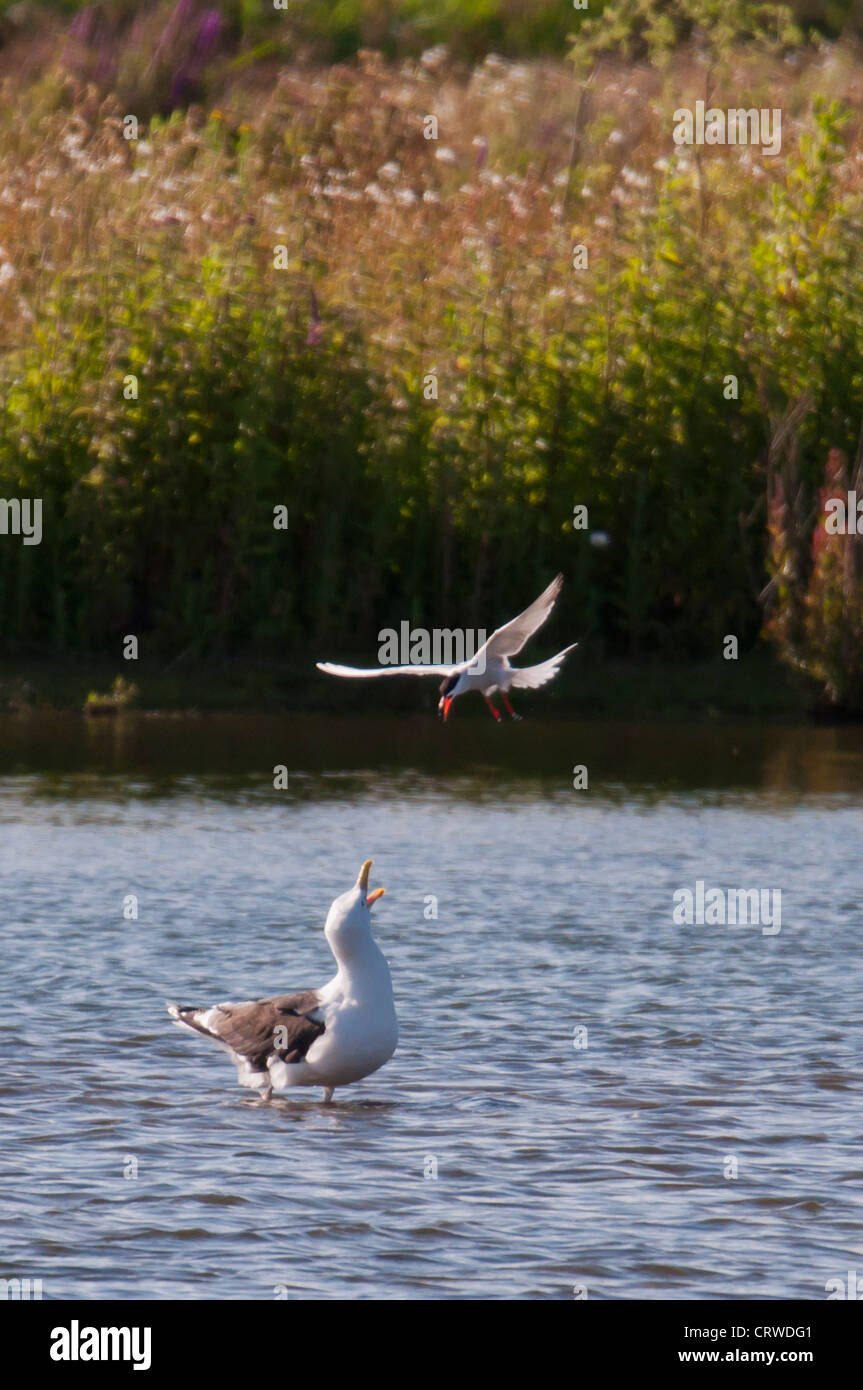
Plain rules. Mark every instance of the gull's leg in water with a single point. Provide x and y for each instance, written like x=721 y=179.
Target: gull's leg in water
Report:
x=509 y=707
x=266 y=1093
x=328 y=1094
x=495 y=712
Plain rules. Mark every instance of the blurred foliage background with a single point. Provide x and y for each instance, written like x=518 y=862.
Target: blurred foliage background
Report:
x=333 y=30
x=387 y=334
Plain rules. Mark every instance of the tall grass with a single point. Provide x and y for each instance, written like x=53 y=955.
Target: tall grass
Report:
x=408 y=258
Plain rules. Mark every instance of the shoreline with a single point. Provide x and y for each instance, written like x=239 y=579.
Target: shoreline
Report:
x=755 y=687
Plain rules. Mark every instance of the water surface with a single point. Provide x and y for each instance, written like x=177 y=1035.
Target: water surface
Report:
x=491 y=1158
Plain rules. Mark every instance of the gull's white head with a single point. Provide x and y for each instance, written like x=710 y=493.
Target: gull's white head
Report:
x=349 y=921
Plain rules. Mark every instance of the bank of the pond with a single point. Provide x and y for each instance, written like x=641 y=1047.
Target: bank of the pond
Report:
x=753 y=687
x=282 y=369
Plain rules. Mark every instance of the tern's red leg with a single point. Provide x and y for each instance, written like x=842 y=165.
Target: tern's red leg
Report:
x=495 y=712
x=509 y=707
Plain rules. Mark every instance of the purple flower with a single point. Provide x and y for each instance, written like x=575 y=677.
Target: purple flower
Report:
x=179 y=84
x=185 y=9
x=82 y=25
x=208 y=33
x=206 y=38
x=316 y=329
x=183 y=12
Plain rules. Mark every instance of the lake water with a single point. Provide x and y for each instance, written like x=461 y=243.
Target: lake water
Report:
x=711 y=1049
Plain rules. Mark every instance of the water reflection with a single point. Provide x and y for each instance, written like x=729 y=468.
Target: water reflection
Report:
x=342 y=757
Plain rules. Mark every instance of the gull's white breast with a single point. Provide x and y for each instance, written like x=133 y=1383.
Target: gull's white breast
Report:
x=361 y=1032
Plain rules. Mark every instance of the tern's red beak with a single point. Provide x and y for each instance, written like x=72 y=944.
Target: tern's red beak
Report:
x=446 y=704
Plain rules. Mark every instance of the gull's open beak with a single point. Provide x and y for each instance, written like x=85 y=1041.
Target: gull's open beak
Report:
x=363 y=882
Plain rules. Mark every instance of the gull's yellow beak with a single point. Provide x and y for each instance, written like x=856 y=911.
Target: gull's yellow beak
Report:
x=363 y=882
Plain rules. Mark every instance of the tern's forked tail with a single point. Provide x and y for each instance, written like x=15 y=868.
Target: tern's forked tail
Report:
x=531 y=677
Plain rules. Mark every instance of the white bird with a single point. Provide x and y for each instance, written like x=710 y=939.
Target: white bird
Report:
x=320 y=1037
x=489 y=669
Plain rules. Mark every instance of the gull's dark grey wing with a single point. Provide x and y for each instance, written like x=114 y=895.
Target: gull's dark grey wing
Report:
x=284 y=1026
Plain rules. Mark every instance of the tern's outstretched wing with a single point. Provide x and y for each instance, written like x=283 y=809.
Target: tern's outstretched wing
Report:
x=509 y=639
x=365 y=671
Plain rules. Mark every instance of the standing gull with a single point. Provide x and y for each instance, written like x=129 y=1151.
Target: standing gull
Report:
x=321 y=1037
x=489 y=670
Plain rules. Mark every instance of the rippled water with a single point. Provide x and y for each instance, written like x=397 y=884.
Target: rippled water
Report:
x=556 y=1166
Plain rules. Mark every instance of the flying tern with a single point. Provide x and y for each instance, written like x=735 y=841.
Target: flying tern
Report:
x=488 y=670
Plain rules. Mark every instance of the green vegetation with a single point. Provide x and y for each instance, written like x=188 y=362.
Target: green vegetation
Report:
x=123 y=693
x=334 y=30
x=752 y=688
x=817 y=591
x=420 y=376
